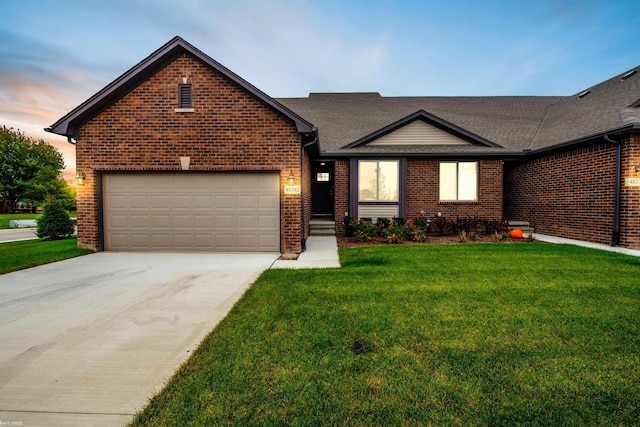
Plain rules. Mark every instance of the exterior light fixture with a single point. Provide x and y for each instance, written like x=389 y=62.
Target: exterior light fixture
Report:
x=80 y=177
x=292 y=178
x=637 y=168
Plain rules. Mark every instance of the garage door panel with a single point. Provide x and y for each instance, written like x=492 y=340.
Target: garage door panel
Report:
x=195 y=211
x=182 y=241
x=267 y=222
x=202 y=201
x=268 y=202
x=159 y=221
x=224 y=202
x=203 y=221
x=224 y=181
x=247 y=202
x=245 y=221
x=181 y=221
x=247 y=242
x=225 y=221
x=118 y=221
x=139 y=221
x=161 y=240
x=138 y=201
x=159 y=201
x=180 y=201
x=266 y=241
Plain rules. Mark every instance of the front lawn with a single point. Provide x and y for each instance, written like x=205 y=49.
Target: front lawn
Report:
x=29 y=253
x=475 y=334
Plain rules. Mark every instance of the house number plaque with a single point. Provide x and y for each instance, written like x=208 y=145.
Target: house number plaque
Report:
x=291 y=189
x=632 y=182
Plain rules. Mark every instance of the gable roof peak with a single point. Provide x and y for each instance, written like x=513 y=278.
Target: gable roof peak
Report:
x=430 y=119
x=71 y=122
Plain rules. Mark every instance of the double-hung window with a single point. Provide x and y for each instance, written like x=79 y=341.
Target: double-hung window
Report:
x=458 y=181
x=378 y=181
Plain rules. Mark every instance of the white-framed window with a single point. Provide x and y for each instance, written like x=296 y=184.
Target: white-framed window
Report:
x=458 y=181
x=378 y=180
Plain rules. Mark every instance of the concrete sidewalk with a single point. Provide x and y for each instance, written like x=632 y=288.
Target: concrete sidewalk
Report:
x=322 y=252
x=563 y=241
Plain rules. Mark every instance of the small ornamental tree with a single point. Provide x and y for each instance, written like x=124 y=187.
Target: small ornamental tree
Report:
x=55 y=222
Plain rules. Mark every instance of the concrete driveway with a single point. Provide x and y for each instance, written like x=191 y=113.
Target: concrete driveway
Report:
x=88 y=341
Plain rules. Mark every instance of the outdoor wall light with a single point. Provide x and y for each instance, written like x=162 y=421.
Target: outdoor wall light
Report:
x=80 y=177
x=637 y=168
x=292 y=178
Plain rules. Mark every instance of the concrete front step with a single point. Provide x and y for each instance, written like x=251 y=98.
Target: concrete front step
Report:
x=322 y=232
x=322 y=227
x=525 y=226
x=322 y=223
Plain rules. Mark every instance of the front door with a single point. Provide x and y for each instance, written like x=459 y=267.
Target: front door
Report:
x=322 y=188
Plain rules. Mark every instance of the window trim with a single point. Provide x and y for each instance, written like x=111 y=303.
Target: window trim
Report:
x=457 y=187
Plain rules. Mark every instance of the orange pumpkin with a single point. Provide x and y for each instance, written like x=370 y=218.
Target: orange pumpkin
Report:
x=516 y=233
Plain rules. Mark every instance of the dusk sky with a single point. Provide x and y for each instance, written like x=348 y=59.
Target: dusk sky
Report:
x=54 y=54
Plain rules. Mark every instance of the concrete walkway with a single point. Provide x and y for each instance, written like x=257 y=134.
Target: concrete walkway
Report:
x=322 y=252
x=562 y=240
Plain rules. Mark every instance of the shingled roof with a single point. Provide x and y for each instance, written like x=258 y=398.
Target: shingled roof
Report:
x=512 y=124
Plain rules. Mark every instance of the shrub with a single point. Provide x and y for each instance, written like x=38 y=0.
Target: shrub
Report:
x=415 y=232
x=348 y=226
x=394 y=233
x=499 y=237
x=54 y=222
x=383 y=222
x=363 y=229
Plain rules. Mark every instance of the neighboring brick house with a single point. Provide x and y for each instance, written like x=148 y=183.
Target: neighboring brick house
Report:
x=260 y=168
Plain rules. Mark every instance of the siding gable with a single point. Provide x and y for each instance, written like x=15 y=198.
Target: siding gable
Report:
x=418 y=133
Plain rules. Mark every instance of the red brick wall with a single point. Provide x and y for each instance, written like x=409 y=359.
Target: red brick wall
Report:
x=423 y=183
x=572 y=194
x=341 y=194
x=228 y=131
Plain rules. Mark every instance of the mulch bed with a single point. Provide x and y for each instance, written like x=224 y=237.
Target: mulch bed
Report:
x=351 y=242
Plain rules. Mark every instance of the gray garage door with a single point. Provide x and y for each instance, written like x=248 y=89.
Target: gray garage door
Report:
x=191 y=212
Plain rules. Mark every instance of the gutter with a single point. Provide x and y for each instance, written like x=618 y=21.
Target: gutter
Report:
x=615 y=240
x=303 y=241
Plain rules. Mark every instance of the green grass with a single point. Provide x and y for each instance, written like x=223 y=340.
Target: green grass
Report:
x=475 y=334
x=6 y=218
x=29 y=253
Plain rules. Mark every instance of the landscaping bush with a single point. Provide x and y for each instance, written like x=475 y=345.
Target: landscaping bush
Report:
x=55 y=222
x=395 y=230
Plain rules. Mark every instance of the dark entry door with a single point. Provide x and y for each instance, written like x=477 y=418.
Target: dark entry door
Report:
x=322 y=188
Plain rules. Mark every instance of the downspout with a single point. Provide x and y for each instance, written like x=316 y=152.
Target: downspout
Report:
x=303 y=241
x=616 y=215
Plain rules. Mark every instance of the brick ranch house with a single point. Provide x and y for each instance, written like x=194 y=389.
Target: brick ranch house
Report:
x=181 y=154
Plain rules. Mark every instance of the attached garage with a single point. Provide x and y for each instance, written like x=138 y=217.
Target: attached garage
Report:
x=230 y=212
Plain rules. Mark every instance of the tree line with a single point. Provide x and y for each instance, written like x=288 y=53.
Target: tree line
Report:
x=30 y=172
